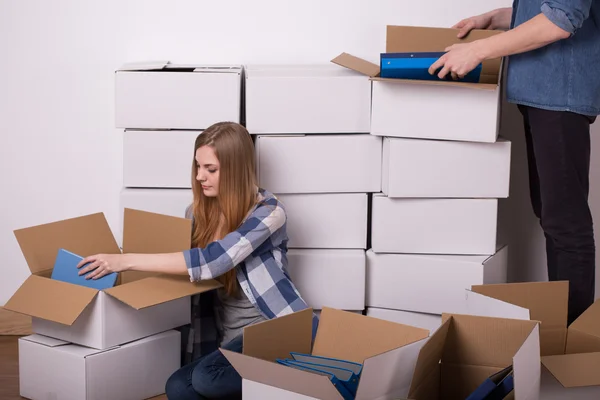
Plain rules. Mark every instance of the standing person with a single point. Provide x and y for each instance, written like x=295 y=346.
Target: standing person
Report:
x=554 y=49
x=239 y=238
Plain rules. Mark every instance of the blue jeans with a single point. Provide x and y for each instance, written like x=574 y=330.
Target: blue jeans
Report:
x=209 y=377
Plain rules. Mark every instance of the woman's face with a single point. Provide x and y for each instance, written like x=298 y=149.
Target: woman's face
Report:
x=208 y=166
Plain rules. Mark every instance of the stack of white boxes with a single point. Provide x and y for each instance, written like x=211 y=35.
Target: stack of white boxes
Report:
x=314 y=151
x=163 y=108
x=434 y=226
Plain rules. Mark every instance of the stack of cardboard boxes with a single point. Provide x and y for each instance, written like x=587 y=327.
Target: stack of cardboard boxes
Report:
x=434 y=226
x=117 y=343
x=313 y=150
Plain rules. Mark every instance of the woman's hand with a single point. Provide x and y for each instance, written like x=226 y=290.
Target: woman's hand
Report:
x=459 y=60
x=101 y=265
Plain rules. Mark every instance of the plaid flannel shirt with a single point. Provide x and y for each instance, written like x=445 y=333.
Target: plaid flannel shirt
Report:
x=257 y=250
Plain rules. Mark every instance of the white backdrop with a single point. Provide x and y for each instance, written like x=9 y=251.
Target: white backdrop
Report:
x=61 y=156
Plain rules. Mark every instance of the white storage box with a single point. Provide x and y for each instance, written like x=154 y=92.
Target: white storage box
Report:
x=420 y=320
x=434 y=168
x=171 y=202
x=319 y=163
x=54 y=369
x=329 y=278
x=326 y=221
x=158 y=159
x=429 y=283
x=161 y=95
x=306 y=99
x=434 y=226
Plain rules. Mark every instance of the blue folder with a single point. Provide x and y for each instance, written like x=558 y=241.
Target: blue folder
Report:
x=65 y=270
x=341 y=388
x=416 y=66
x=496 y=387
x=346 y=371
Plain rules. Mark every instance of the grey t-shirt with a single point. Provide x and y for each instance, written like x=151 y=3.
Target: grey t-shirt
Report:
x=235 y=313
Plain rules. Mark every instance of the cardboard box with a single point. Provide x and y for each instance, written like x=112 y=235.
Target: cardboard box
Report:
x=467 y=349
x=429 y=283
x=141 y=305
x=329 y=277
x=54 y=369
x=319 y=163
x=552 y=389
x=161 y=95
x=389 y=352
x=326 y=221
x=432 y=109
x=547 y=302
x=158 y=159
x=306 y=99
x=430 y=322
x=435 y=168
x=434 y=226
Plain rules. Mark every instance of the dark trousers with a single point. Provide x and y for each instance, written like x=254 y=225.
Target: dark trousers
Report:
x=558 y=149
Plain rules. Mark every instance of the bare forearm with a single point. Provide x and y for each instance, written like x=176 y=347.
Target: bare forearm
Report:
x=501 y=18
x=533 y=34
x=168 y=263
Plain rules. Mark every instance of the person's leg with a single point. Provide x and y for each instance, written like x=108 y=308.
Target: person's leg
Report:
x=215 y=378
x=534 y=194
x=179 y=385
x=561 y=144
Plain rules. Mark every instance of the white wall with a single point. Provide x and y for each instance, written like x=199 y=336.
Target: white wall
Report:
x=56 y=88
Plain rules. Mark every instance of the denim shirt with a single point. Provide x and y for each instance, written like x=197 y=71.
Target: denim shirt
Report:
x=562 y=76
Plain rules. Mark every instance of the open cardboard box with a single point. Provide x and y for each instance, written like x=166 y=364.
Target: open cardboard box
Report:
x=139 y=305
x=572 y=355
x=399 y=361
x=432 y=109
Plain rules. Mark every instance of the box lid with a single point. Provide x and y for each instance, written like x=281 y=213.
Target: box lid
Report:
x=89 y=234
x=574 y=370
x=584 y=333
x=44 y=340
x=400 y=39
x=168 y=66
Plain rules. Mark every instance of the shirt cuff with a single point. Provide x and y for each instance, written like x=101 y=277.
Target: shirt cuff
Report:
x=558 y=17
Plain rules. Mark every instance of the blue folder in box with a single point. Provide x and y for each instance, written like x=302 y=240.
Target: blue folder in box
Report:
x=416 y=66
x=322 y=370
x=496 y=387
x=65 y=269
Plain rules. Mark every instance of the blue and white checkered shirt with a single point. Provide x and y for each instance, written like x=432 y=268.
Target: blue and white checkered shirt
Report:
x=257 y=250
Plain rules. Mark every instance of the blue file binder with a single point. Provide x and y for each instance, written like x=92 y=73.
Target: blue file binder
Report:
x=341 y=388
x=416 y=66
x=65 y=270
x=496 y=387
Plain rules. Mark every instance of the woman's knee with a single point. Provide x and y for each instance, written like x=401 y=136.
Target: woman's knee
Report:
x=179 y=387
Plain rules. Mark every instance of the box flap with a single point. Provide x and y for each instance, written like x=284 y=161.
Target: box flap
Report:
x=484 y=306
x=83 y=236
x=278 y=337
x=547 y=302
x=492 y=342
x=357 y=64
x=160 y=289
x=355 y=337
x=574 y=370
x=152 y=233
x=589 y=321
x=389 y=375
x=44 y=340
x=283 y=377
x=406 y=39
x=527 y=367
x=429 y=357
x=144 y=66
x=51 y=300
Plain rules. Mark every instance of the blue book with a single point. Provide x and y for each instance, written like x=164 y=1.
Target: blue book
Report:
x=416 y=66
x=65 y=270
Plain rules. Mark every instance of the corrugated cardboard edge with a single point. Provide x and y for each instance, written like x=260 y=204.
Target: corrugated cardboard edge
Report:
x=280 y=376
x=357 y=64
x=12 y=323
x=574 y=370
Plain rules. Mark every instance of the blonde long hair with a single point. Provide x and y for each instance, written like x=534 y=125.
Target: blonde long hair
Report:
x=234 y=149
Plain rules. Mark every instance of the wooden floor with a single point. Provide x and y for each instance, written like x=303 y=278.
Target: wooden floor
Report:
x=9 y=369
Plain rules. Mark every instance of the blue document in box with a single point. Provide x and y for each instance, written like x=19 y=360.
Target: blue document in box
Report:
x=416 y=66
x=496 y=387
x=65 y=270
x=341 y=388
